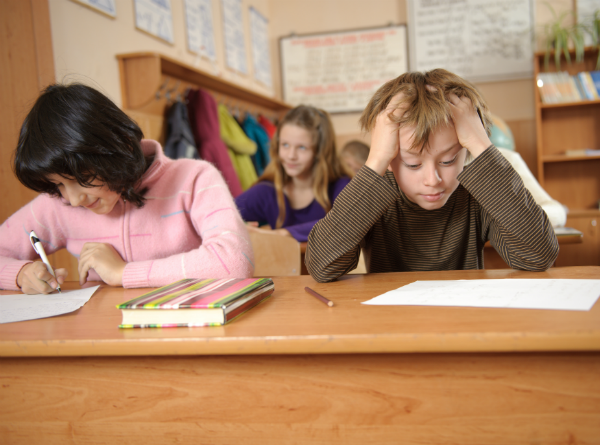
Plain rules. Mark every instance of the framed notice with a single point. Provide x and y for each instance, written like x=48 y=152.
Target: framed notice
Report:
x=340 y=71
x=200 y=29
x=261 y=56
x=106 y=7
x=480 y=40
x=233 y=33
x=155 y=18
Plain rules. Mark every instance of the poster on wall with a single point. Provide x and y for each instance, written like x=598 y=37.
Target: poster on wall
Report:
x=106 y=7
x=261 y=56
x=233 y=33
x=200 y=29
x=340 y=71
x=155 y=18
x=480 y=40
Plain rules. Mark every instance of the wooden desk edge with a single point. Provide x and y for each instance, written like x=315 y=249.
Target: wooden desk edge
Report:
x=370 y=344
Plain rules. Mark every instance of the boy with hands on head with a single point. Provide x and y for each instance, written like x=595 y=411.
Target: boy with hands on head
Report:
x=414 y=205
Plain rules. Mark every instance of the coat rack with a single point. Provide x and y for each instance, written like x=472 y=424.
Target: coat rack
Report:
x=151 y=81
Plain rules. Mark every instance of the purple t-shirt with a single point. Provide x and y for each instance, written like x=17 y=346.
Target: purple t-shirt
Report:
x=259 y=203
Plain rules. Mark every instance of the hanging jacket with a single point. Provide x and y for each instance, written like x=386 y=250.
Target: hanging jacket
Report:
x=239 y=148
x=204 y=120
x=259 y=135
x=180 y=139
x=269 y=127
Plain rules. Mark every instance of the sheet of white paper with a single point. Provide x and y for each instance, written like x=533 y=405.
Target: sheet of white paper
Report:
x=577 y=295
x=21 y=307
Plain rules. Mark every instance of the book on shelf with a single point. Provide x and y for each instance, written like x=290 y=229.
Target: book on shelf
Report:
x=583 y=152
x=195 y=302
x=561 y=87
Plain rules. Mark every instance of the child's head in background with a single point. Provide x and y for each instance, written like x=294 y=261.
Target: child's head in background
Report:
x=75 y=143
x=354 y=155
x=303 y=149
x=426 y=132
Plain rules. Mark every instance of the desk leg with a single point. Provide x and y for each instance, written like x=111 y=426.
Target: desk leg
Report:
x=467 y=399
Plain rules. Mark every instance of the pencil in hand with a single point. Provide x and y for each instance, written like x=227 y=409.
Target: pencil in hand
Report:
x=319 y=296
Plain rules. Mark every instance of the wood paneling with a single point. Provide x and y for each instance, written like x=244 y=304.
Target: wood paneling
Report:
x=26 y=67
x=467 y=399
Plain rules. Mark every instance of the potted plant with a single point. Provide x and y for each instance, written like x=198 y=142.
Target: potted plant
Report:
x=593 y=30
x=560 y=37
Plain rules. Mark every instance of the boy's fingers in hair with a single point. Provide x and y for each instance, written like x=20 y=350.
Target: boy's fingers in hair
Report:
x=252 y=223
x=394 y=106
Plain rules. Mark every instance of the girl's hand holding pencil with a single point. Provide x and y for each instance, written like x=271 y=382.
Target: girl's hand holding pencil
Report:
x=34 y=278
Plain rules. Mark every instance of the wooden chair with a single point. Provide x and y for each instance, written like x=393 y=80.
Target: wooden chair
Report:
x=275 y=256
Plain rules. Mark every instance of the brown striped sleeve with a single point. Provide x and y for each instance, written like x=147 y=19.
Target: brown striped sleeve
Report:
x=518 y=228
x=334 y=243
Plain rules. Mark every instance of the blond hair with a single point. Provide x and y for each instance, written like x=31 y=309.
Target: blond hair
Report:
x=326 y=165
x=425 y=101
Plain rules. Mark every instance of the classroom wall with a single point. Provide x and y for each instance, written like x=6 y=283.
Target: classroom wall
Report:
x=85 y=43
x=512 y=101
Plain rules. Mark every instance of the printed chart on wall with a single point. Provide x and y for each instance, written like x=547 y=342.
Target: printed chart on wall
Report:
x=200 y=29
x=233 y=30
x=481 y=40
x=155 y=18
x=340 y=71
x=106 y=7
x=261 y=56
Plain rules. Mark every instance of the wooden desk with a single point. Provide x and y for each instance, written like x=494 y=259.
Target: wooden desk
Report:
x=293 y=370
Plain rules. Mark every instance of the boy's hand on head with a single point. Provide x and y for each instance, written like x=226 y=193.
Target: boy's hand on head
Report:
x=34 y=278
x=105 y=260
x=467 y=123
x=385 y=141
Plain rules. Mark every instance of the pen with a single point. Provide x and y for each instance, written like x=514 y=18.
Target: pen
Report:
x=37 y=246
x=319 y=296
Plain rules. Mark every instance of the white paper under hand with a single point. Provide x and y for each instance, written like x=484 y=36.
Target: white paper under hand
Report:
x=21 y=307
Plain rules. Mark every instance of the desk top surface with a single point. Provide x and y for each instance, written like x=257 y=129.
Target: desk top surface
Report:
x=293 y=322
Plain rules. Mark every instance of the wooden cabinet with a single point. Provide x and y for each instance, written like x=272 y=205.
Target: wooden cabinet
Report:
x=588 y=252
x=572 y=180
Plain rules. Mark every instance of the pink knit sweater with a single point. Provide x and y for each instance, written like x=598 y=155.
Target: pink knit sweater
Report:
x=188 y=227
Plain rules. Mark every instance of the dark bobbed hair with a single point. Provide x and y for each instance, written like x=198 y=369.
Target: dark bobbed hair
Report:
x=78 y=133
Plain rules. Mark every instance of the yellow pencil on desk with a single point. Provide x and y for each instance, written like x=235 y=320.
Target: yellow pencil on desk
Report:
x=37 y=246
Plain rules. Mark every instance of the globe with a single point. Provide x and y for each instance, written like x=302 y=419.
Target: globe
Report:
x=501 y=135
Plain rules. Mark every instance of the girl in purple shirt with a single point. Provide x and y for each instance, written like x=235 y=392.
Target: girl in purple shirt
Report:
x=302 y=180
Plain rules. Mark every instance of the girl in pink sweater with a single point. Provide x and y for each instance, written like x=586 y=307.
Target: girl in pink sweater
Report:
x=132 y=216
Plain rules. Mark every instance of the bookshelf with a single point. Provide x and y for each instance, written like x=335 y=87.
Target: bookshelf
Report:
x=572 y=180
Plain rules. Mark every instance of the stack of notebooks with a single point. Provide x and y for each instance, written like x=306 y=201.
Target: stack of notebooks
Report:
x=562 y=87
x=195 y=302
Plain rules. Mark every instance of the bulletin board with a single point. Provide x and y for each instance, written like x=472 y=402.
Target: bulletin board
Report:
x=340 y=71
x=480 y=40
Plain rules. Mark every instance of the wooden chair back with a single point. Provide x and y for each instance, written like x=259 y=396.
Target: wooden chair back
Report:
x=275 y=256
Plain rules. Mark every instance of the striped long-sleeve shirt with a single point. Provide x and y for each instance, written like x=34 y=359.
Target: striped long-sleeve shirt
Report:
x=490 y=203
